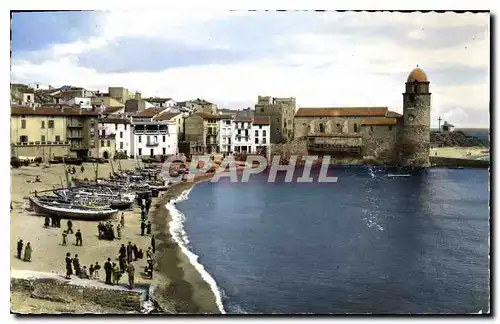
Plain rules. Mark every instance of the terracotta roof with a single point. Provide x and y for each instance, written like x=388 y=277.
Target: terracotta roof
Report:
x=209 y=116
x=262 y=120
x=51 y=111
x=379 y=121
x=417 y=75
x=157 y=99
x=150 y=112
x=393 y=114
x=111 y=120
x=341 y=112
x=110 y=110
x=167 y=115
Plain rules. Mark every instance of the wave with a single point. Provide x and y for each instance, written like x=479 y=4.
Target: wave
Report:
x=176 y=228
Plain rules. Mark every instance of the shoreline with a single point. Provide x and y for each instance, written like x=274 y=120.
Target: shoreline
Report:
x=187 y=291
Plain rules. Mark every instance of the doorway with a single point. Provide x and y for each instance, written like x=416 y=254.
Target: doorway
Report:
x=152 y=153
x=105 y=155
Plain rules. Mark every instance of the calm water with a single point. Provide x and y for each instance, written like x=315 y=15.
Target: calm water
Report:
x=380 y=245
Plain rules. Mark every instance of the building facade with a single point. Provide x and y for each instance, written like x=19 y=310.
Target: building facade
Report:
x=52 y=131
x=242 y=135
x=261 y=129
x=226 y=134
x=152 y=138
x=281 y=112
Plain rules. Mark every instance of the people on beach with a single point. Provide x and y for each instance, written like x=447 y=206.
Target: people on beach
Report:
x=149 y=268
x=135 y=251
x=27 y=252
x=107 y=270
x=129 y=252
x=64 y=235
x=122 y=221
x=122 y=252
x=69 y=267
x=97 y=267
x=149 y=253
x=70 y=227
x=19 y=248
x=153 y=243
x=47 y=221
x=91 y=271
x=119 y=231
x=76 y=265
x=123 y=264
x=78 y=237
x=143 y=227
x=81 y=169
x=84 y=274
x=148 y=228
x=116 y=274
x=131 y=273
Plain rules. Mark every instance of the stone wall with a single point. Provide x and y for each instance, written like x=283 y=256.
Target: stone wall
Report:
x=193 y=128
x=438 y=161
x=295 y=147
x=331 y=125
x=59 y=291
x=44 y=151
x=381 y=142
x=416 y=130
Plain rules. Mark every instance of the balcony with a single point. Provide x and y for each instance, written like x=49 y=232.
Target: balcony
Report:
x=108 y=136
x=151 y=143
x=37 y=143
x=75 y=135
x=151 y=132
x=74 y=125
x=212 y=133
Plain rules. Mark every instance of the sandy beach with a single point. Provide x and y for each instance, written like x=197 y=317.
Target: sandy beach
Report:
x=461 y=152
x=179 y=287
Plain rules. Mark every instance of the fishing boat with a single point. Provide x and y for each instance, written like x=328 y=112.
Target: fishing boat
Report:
x=56 y=206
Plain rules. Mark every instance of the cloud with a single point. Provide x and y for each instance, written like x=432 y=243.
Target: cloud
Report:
x=323 y=59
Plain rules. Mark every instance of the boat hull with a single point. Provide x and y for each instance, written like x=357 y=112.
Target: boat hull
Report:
x=69 y=212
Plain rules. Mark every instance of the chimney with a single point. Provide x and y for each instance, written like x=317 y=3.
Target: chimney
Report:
x=137 y=96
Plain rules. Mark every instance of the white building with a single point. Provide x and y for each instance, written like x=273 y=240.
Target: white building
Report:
x=39 y=86
x=225 y=134
x=121 y=129
x=261 y=131
x=242 y=141
x=153 y=137
x=161 y=102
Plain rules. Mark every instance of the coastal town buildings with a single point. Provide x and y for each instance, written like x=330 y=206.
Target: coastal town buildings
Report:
x=261 y=128
x=153 y=137
x=242 y=134
x=281 y=112
x=120 y=94
x=49 y=131
x=225 y=134
x=161 y=102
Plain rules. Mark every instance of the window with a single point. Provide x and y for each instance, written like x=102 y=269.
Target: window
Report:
x=415 y=88
x=164 y=151
x=256 y=133
x=58 y=138
x=321 y=128
x=43 y=124
x=155 y=139
x=51 y=123
x=390 y=127
x=140 y=140
x=164 y=139
x=228 y=122
x=125 y=126
x=121 y=145
x=108 y=144
x=43 y=138
x=121 y=134
x=140 y=150
x=410 y=118
x=264 y=140
x=23 y=124
x=29 y=97
x=264 y=133
x=261 y=109
x=256 y=140
x=23 y=139
x=103 y=132
x=102 y=143
x=355 y=128
x=260 y=126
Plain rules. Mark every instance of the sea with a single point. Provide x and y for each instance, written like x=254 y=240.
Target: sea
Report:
x=370 y=243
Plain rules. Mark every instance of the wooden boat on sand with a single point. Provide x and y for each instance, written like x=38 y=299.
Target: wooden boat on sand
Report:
x=50 y=206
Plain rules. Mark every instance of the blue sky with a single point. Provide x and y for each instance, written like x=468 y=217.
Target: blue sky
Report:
x=323 y=59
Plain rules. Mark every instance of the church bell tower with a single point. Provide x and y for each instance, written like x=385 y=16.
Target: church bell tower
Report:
x=415 y=141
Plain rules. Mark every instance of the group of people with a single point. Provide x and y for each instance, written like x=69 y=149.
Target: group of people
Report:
x=69 y=230
x=72 y=170
x=27 y=251
x=106 y=231
x=52 y=221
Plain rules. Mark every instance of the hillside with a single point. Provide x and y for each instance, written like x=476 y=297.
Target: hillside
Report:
x=455 y=139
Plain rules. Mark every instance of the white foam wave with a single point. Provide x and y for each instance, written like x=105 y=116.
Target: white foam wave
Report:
x=176 y=227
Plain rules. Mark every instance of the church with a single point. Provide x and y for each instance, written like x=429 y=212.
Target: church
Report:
x=372 y=132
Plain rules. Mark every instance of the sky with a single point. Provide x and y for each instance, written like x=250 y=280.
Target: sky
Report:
x=323 y=59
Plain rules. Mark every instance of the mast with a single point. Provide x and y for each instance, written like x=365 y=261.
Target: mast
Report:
x=112 y=167
x=68 y=183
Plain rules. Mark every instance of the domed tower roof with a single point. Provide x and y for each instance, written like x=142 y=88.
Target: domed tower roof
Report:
x=417 y=75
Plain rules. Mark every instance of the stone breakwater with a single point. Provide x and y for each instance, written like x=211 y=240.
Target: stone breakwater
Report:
x=75 y=297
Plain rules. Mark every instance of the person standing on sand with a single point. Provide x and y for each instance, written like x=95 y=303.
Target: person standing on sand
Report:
x=78 y=237
x=130 y=272
x=153 y=243
x=47 y=221
x=129 y=252
x=107 y=270
x=69 y=268
x=122 y=221
x=119 y=231
x=97 y=267
x=91 y=271
x=64 y=234
x=19 y=248
x=122 y=252
x=116 y=273
x=143 y=227
x=81 y=169
x=149 y=253
x=27 y=252
x=76 y=265
x=148 y=228
x=135 y=251
x=70 y=227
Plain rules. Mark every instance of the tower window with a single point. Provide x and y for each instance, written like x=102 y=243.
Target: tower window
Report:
x=321 y=128
x=355 y=128
x=415 y=88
